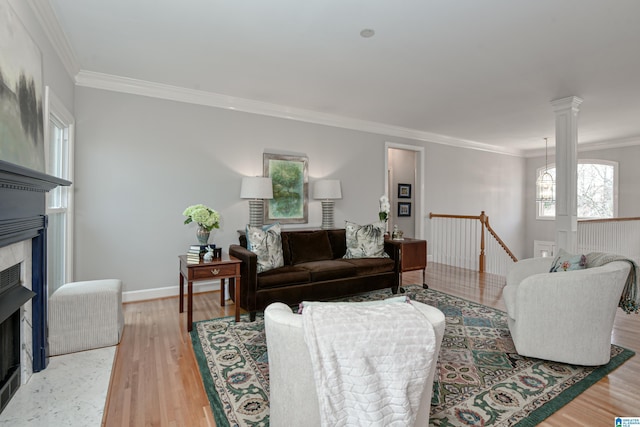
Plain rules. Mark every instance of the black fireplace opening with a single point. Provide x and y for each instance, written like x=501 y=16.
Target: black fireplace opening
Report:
x=12 y=296
x=9 y=358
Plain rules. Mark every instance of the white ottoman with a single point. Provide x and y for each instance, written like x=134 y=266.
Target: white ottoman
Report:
x=85 y=315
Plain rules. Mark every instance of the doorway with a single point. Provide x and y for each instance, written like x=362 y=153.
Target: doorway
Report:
x=404 y=186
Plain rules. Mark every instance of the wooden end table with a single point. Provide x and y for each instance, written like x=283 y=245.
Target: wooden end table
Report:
x=227 y=267
x=413 y=256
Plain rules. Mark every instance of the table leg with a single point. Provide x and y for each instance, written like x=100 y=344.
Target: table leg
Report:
x=189 y=305
x=236 y=285
x=424 y=279
x=221 y=292
x=181 y=293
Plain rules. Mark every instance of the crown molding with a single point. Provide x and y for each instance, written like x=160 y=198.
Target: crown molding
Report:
x=174 y=93
x=49 y=22
x=591 y=146
x=607 y=145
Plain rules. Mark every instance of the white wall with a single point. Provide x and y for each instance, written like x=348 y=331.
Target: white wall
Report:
x=465 y=182
x=628 y=190
x=140 y=161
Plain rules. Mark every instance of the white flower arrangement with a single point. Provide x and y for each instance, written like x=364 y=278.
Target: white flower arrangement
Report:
x=203 y=216
x=385 y=207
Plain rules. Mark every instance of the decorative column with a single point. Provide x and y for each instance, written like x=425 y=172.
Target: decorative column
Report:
x=566 y=111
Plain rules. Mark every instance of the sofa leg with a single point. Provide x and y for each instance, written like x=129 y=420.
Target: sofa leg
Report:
x=252 y=316
x=394 y=289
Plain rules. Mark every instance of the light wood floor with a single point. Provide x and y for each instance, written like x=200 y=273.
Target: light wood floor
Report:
x=155 y=380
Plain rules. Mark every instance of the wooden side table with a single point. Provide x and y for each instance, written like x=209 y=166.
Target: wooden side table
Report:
x=227 y=267
x=413 y=256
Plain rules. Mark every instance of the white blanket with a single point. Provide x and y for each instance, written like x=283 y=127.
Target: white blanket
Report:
x=370 y=362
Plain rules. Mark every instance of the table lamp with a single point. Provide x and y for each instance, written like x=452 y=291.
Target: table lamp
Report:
x=256 y=189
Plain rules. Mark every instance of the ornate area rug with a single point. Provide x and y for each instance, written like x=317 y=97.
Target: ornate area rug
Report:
x=481 y=380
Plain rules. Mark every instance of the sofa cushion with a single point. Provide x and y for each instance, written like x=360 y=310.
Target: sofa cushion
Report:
x=568 y=262
x=328 y=269
x=365 y=241
x=338 y=241
x=366 y=266
x=283 y=276
x=266 y=243
x=306 y=247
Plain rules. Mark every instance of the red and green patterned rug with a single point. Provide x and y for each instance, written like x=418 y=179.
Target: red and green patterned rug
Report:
x=481 y=379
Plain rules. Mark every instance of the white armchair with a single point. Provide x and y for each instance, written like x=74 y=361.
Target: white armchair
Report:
x=565 y=316
x=293 y=399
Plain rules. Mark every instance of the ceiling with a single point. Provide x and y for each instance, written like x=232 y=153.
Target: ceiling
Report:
x=480 y=71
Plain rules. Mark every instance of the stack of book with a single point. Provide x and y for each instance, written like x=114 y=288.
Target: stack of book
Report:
x=195 y=252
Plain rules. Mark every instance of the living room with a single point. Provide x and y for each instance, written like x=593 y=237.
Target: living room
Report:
x=145 y=149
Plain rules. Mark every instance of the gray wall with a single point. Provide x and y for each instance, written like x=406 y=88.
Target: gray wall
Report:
x=465 y=182
x=628 y=190
x=140 y=161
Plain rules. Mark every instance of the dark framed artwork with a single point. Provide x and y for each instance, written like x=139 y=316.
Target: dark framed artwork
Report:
x=21 y=115
x=289 y=175
x=404 y=191
x=404 y=208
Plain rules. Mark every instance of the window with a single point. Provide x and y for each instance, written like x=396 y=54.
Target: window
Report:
x=597 y=190
x=59 y=160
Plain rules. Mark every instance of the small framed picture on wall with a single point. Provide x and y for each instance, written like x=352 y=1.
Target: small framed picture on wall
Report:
x=404 y=191
x=404 y=208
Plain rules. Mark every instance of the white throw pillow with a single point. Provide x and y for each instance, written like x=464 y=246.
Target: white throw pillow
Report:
x=266 y=243
x=365 y=241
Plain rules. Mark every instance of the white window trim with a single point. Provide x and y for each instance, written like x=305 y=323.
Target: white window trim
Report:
x=54 y=107
x=613 y=163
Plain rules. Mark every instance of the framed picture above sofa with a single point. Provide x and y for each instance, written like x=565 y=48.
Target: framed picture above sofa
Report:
x=289 y=175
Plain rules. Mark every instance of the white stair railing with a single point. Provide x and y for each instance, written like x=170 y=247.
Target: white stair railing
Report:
x=616 y=235
x=461 y=241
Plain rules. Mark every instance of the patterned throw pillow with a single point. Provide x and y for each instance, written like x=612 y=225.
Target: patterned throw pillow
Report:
x=365 y=241
x=266 y=243
x=568 y=262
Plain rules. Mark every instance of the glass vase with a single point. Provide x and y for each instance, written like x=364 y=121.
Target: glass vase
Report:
x=203 y=235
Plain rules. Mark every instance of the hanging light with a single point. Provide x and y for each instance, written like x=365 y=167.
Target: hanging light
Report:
x=545 y=186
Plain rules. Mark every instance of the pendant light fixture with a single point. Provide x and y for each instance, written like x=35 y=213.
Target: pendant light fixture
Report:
x=545 y=186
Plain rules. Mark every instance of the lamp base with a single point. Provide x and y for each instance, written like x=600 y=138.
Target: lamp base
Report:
x=256 y=212
x=327 y=214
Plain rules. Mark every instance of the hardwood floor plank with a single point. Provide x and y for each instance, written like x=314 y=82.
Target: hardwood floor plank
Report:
x=156 y=382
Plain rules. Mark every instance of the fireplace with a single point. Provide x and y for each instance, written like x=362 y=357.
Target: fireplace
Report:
x=23 y=294
x=12 y=297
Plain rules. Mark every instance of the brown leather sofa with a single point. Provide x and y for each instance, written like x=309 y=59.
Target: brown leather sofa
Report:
x=313 y=270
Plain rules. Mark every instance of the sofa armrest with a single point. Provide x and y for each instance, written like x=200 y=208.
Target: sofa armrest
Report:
x=248 y=276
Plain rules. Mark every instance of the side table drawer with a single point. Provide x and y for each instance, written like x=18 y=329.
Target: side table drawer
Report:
x=211 y=272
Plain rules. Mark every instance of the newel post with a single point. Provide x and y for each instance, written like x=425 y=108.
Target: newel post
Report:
x=483 y=219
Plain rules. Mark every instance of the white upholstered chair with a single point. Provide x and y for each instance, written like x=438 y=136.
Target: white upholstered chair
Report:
x=293 y=400
x=565 y=316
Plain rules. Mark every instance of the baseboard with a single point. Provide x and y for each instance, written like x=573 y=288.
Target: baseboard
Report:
x=169 y=291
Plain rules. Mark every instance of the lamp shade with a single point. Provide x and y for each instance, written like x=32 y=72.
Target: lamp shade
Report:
x=256 y=187
x=327 y=189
